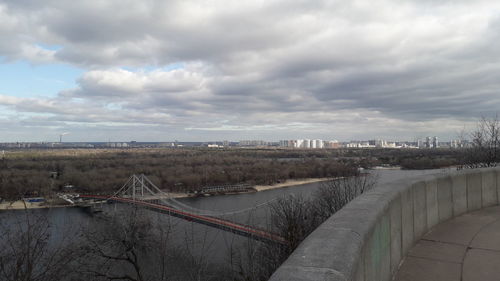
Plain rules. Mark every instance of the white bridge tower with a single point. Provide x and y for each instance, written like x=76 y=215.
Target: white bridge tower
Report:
x=136 y=187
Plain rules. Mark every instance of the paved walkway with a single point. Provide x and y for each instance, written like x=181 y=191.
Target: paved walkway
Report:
x=466 y=248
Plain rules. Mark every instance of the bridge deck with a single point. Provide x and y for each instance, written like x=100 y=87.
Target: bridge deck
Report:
x=206 y=220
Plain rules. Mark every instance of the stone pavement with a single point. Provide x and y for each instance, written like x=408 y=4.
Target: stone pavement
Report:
x=466 y=248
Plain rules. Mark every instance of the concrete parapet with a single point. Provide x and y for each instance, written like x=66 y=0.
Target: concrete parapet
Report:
x=445 y=199
x=419 y=209
x=395 y=213
x=431 y=196
x=407 y=236
x=474 y=192
x=497 y=172
x=489 y=188
x=367 y=239
x=459 y=194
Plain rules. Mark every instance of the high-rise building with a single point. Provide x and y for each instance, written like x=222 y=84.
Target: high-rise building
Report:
x=299 y=144
x=435 y=142
x=428 y=142
x=318 y=143
x=431 y=142
x=332 y=144
x=303 y=143
x=313 y=144
x=379 y=143
x=307 y=143
x=252 y=143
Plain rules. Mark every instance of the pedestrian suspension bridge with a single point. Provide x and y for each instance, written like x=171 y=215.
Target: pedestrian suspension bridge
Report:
x=140 y=191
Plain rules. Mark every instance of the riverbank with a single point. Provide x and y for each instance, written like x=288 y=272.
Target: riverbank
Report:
x=289 y=183
x=19 y=205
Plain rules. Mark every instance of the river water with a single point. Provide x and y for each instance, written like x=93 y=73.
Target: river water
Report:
x=200 y=238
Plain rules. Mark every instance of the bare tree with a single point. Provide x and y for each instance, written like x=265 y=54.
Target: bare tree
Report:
x=27 y=252
x=292 y=218
x=132 y=246
x=115 y=249
x=485 y=144
x=295 y=217
x=334 y=194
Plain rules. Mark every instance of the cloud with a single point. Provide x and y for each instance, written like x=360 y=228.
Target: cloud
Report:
x=325 y=68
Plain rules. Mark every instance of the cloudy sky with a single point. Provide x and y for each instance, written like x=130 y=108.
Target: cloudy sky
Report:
x=156 y=70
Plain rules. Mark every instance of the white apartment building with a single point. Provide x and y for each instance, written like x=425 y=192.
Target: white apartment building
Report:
x=303 y=143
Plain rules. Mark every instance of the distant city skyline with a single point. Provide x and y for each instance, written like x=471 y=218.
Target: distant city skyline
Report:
x=197 y=70
x=427 y=142
x=61 y=140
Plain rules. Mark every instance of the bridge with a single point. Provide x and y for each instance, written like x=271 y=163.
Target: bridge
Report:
x=140 y=191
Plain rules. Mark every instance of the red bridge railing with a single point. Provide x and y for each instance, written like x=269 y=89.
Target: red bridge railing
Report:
x=236 y=228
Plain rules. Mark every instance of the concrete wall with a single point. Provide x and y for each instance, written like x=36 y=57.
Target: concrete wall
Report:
x=366 y=240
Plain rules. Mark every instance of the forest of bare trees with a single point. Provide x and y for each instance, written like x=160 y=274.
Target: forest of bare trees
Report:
x=42 y=173
x=28 y=173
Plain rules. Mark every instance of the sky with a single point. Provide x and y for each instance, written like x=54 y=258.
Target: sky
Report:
x=201 y=70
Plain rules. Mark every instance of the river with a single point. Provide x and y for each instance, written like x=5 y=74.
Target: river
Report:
x=200 y=238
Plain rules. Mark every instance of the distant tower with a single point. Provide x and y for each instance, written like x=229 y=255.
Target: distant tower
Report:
x=299 y=144
x=435 y=142
x=428 y=142
x=320 y=144
x=61 y=135
x=307 y=143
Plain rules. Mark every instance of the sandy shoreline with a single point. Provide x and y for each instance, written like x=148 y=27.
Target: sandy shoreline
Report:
x=289 y=183
x=19 y=205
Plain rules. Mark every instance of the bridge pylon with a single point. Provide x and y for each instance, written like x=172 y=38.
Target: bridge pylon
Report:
x=136 y=187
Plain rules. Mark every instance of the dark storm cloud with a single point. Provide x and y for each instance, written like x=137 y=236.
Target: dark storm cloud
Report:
x=303 y=66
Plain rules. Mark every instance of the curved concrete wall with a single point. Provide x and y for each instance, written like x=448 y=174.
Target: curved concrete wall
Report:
x=367 y=239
